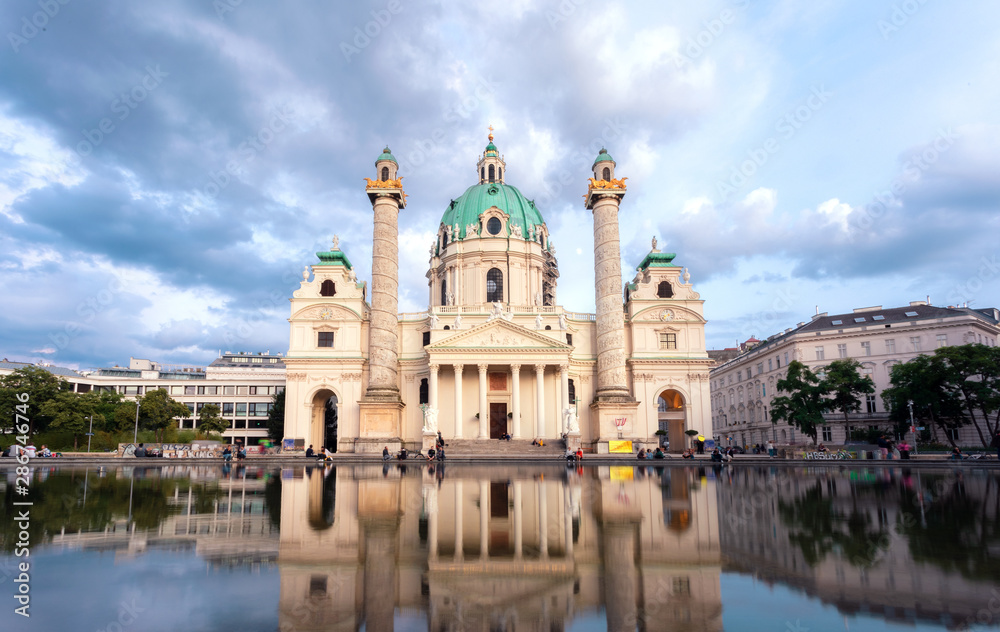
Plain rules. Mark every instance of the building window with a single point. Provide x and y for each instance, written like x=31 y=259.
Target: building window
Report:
x=760 y=368
x=325 y=339
x=427 y=338
x=890 y=346
x=572 y=393
x=915 y=341
x=870 y=403
x=786 y=358
x=492 y=173
x=328 y=288
x=227 y=409
x=942 y=340
x=494 y=226
x=190 y=407
x=569 y=339
x=444 y=291
x=668 y=341
x=739 y=376
x=494 y=285
x=827 y=433
x=385 y=174
x=866 y=348
x=842 y=351
x=500 y=174
x=482 y=174
x=228 y=390
x=769 y=367
x=820 y=353
x=424 y=392
x=663 y=290
x=951 y=433
x=606 y=174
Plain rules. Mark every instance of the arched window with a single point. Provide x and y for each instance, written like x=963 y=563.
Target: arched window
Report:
x=494 y=286
x=328 y=288
x=492 y=174
x=499 y=173
x=385 y=174
x=424 y=392
x=606 y=175
x=482 y=174
x=572 y=393
x=663 y=290
x=444 y=238
x=444 y=291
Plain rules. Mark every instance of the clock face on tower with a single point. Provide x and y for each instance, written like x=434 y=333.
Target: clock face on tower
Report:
x=667 y=314
x=326 y=313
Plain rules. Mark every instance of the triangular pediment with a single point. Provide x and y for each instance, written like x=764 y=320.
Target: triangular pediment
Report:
x=499 y=335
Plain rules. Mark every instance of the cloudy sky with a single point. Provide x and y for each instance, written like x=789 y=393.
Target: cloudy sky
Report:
x=167 y=168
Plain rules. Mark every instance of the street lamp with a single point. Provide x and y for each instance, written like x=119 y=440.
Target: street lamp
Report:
x=913 y=427
x=135 y=436
x=90 y=435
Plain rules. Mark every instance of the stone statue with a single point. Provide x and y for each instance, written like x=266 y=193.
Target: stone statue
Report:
x=538 y=298
x=430 y=420
x=433 y=246
x=353 y=276
x=495 y=312
x=515 y=231
x=449 y=297
x=562 y=322
x=433 y=319
x=305 y=273
x=687 y=276
x=471 y=229
x=458 y=322
x=654 y=243
x=531 y=233
x=571 y=422
x=336 y=243
x=508 y=315
x=447 y=232
x=538 y=321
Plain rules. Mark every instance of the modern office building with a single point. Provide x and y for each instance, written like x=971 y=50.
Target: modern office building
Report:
x=743 y=387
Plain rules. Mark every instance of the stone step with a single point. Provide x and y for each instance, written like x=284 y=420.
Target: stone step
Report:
x=496 y=446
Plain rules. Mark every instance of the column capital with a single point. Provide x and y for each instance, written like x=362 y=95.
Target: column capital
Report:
x=515 y=368
x=433 y=367
x=564 y=369
x=540 y=368
x=483 y=368
x=458 y=368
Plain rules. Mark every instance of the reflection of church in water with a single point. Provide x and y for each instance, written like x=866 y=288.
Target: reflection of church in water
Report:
x=464 y=552
x=494 y=353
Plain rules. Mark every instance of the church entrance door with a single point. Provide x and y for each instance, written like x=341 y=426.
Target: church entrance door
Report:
x=498 y=420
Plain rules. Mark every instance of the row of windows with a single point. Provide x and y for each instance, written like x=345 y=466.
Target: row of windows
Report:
x=195 y=390
x=890 y=347
x=240 y=409
x=235 y=423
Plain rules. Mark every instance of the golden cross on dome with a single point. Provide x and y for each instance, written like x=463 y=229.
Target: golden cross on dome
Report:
x=491 y=133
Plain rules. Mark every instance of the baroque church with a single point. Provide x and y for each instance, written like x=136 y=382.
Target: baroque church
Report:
x=495 y=354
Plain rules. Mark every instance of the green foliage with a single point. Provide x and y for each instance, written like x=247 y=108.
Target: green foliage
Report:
x=845 y=385
x=40 y=386
x=157 y=412
x=805 y=402
x=276 y=417
x=72 y=413
x=691 y=433
x=210 y=419
x=957 y=386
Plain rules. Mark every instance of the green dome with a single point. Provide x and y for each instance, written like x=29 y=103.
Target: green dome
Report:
x=386 y=155
x=479 y=197
x=603 y=156
x=491 y=150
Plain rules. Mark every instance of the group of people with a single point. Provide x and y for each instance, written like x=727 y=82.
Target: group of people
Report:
x=29 y=450
x=643 y=453
x=573 y=457
x=239 y=451
x=323 y=453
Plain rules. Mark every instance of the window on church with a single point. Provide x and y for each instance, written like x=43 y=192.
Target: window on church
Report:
x=569 y=339
x=572 y=393
x=325 y=339
x=499 y=173
x=494 y=285
x=493 y=226
x=606 y=175
x=482 y=174
x=444 y=292
x=385 y=174
x=328 y=288
x=668 y=341
x=427 y=338
x=424 y=392
x=663 y=290
x=492 y=174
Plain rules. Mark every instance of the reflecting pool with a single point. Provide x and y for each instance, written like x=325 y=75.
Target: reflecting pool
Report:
x=466 y=547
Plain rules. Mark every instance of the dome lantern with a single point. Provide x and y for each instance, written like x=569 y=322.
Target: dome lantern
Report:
x=491 y=166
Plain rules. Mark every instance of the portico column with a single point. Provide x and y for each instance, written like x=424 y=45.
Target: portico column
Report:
x=540 y=400
x=568 y=520
x=459 y=417
x=483 y=412
x=484 y=518
x=518 y=521
x=515 y=374
x=458 y=521
x=564 y=389
x=432 y=387
x=432 y=520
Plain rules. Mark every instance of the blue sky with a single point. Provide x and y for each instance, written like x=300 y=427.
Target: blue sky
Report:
x=167 y=169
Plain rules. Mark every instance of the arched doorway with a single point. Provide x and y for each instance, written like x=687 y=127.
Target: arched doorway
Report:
x=671 y=415
x=322 y=497
x=323 y=430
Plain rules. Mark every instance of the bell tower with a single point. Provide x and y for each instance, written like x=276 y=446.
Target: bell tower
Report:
x=491 y=166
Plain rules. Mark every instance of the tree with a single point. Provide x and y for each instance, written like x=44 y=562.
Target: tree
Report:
x=157 y=411
x=805 y=403
x=924 y=381
x=845 y=384
x=72 y=412
x=974 y=377
x=210 y=419
x=276 y=417
x=40 y=386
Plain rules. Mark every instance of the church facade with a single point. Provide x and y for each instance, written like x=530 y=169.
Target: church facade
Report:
x=494 y=354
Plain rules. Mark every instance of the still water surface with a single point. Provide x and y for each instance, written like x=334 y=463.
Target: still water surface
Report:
x=507 y=548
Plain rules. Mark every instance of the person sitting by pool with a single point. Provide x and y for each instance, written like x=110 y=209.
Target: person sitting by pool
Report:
x=579 y=454
x=716 y=455
x=430 y=454
x=687 y=454
x=385 y=453
x=327 y=455
x=402 y=454
x=310 y=453
x=658 y=454
x=570 y=455
x=641 y=454
x=45 y=452
x=227 y=455
x=956 y=454
x=821 y=448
